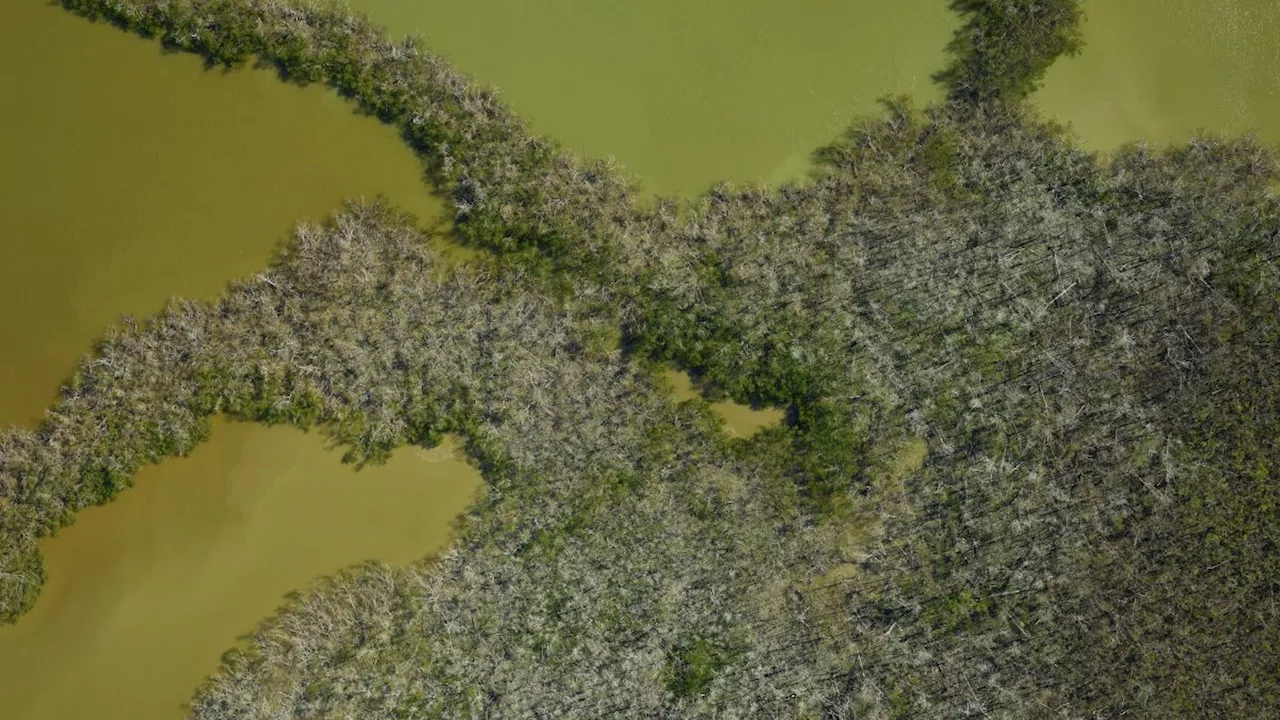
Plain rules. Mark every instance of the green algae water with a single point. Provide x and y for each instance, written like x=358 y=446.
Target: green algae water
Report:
x=1159 y=70
x=146 y=593
x=685 y=93
x=128 y=176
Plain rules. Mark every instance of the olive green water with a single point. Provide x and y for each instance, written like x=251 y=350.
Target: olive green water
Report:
x=145 y=594
x=1159 y=70
x=687 y=92
x=128 y=176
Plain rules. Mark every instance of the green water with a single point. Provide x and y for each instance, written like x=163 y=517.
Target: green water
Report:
x=145 y=594
x=685 y=93
x=1159 y=70
x=128 y=176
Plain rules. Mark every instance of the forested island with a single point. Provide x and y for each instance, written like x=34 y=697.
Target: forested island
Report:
x=1028 y=468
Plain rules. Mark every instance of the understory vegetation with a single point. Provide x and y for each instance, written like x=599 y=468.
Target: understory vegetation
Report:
x=1029 y=468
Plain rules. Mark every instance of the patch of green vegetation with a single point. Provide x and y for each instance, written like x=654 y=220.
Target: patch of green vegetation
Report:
x=693 y=664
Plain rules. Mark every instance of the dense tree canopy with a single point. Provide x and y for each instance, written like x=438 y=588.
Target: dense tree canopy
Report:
x=1005 y=46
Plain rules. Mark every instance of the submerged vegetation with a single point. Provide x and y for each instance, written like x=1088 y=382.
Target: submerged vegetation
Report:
x=1029 y=467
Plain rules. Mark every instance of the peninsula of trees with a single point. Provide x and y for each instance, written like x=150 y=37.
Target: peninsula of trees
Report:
x=1029 y=468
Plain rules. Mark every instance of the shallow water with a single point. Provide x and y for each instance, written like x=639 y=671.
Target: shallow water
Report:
x=128 y=176
x=739 y=420
x=1159 y=70
x=687 y=92
x=146 y=593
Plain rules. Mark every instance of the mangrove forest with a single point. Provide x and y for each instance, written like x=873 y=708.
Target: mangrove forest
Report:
x=1027 y=462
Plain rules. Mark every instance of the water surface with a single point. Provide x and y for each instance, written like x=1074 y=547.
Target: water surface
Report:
x=687 y=92
x=1159 y=70
x=739 y=420
x=128 y=176
x=146 y=593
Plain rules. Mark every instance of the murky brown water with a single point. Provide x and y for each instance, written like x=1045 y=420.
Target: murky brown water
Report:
x=146 y=593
